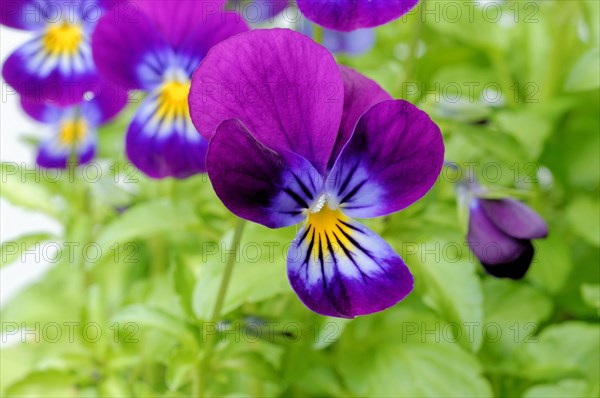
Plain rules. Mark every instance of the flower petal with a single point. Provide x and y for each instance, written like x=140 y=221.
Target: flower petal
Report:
x=41 y=111
x=59 y=78
x=205 y=34
x=175 y=19
x=22 y=14
x=341 y=268
x=256 y=183
x=393 y=158
x=280 y=84
x=347 y=15
x=489 y=244
x=131 y=51
x=514 y=218
x=360 y=94
x=165 y=143
x=107 y=101
x=515 y=269
x=70 y=134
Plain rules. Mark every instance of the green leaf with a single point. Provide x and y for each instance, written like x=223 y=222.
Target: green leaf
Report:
x=563 y=389
x=584 y=75
x=12 y=250
x=147 y=220
x=260 y=271
x=24 y=188
x=591 y=294
x=156 y=319
x=570 y=349
x=462 y=306
x=552 y=263
x=50 y=383
x=583 y=214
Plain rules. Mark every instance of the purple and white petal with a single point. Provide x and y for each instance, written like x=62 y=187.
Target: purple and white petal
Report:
x=340 y=268
x=360 y=94
x=44 y=112
x=175 y=19
x=489 y=244
x=514 y=218
x=131 y=51
x=257 y=183
x=41 y=73
x=347 y=15
x=515 y=269
x=162 y=141
x=285 y=88
x=393 y=158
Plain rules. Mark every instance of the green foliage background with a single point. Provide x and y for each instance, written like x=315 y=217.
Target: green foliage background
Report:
x=460 y=333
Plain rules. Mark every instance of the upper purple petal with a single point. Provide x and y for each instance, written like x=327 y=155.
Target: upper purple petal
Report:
x=514 y=218
x=131 y=51
x=347 y=15
x=211 y=30
x=22 y=14
x=176 y=19
x=42 y=111
x=490 y=244
x=257 y=183
x=280 y=84
x=341 y=268
x=393 y=158
x=360 y=94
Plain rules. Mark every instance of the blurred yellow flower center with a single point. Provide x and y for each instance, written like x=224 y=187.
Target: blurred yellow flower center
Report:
x=72 y=132
x=173 y=100
x=329 y=231
x=63 y=38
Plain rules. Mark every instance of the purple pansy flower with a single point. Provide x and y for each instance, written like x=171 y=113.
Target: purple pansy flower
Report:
x=157 y=51
x=500 y=234
x=56 y=65
x=347 y=15
x=74 y=134
x=294 y=137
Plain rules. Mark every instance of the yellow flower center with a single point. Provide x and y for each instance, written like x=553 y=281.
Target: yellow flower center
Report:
x=63 y=38
x=330 y=231
x=173 y=100
x=72 y=132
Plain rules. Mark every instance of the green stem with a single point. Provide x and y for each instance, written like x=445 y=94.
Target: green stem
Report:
x=216 y=315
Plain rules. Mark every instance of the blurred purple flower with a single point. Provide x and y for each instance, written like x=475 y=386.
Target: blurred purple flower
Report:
x=355 y=42
x=294 y=137
x=500 y=234
x=348 y=15
x=157 y=51
x=74 y=135
x=57 y=63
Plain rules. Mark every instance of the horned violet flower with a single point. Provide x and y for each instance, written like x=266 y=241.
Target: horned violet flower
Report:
x=500 y=234
x=347 y=15
x=157 y=52
x=56 y=65
x=74 y=128
x=296 y=138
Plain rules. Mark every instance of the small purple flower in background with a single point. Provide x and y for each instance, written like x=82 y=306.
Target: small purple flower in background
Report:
x=355 y=42
x=56 y=65
x=294 y=137
x=347 y=15
x=74 y=135
x=157 y=51
x=500 y=234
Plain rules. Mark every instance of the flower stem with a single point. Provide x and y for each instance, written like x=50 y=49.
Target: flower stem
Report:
x=216 y=315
